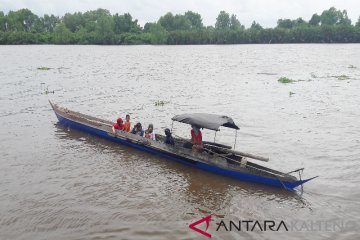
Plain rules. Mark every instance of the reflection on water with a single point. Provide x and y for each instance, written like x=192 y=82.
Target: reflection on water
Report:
x=198 y=186
x=60 y=183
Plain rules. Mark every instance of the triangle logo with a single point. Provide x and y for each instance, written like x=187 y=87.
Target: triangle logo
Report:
x=207 y=221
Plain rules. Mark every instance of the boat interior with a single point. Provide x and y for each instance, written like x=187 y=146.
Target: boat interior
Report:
x=218 y=150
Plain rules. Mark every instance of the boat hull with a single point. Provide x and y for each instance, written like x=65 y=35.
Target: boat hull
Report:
x=196 y=164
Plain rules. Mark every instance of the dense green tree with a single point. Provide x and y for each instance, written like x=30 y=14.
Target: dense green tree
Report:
x=62 y=34
x=74 y=21
x=125 y=23
x=177 y=22
x=285 y=23
x=328 y=33
x=344 y=19
x=21 y=20
x=100 y=27
x=91 y=18
x=181 y=23
x=13 y=23
x=358 y=23
x=256 y=25
x=147 y=27
x=50 y=22
x=253 y=35
x=159 y=34
x=94 y=15
x=2 y=22
x=195 y=20
x=281 y=35
x=223 y=20
x=315 y=20
x=82 y=36
x=28 y=19
x=330 y=17
x=299 y=22
x=167 y=21
x=104 y=33
x=235 y=23
x=344 y=34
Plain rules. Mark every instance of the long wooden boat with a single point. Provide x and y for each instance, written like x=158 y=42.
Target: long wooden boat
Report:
x=215 y=158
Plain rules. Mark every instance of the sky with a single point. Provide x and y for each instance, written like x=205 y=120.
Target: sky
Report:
x=265 y=12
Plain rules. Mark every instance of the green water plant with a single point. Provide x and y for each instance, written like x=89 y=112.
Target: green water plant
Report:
x=160 y=103
x=286 y=80
x=313 y=75
x=47 y=91
x=351 y=66
x=291 y=93
x=43 y=68
x=342 y=77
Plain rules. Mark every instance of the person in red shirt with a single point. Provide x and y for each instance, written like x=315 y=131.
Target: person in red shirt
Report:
x=196 y=139
x=118 y=125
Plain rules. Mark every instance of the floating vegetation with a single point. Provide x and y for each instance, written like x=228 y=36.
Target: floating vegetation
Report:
x=291 y=93
x=342 y=77
x=351 y=66
x=266 y=73
x=160 y=103
x=46 y=92
x=285 y=80
x=313 y=75
x=43 y=68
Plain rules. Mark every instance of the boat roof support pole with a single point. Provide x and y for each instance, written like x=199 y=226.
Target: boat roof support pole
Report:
x=172 y=125
x=215 y=136
x=235 y=138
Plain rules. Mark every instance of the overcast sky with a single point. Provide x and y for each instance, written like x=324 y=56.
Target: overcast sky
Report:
x=265 y=12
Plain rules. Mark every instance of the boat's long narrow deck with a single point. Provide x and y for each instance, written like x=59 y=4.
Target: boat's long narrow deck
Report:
x=219 y=159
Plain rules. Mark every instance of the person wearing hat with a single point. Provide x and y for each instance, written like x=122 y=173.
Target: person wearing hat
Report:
x=168 y=138
x=118 y=125
x=137 y=130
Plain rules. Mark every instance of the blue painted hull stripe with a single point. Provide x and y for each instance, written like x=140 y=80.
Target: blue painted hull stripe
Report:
x=199 y=165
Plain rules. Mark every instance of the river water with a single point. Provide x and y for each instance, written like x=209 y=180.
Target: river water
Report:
x=60 y=183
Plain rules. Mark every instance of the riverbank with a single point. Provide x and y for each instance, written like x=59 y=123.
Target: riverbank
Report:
x=101 y=27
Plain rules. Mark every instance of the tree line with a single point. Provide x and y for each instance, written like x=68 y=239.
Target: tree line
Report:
x=101 y=27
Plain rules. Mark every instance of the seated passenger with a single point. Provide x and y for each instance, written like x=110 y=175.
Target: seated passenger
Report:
x=168 y=138
x=127 y=124
x=137 y=130
x=146 y=134
x=118 y=125
x=149 y=133
x=196 y=139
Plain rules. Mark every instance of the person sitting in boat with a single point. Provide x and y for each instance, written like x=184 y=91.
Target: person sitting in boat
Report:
x=127 y=124
x=196 y=139
x=118 y=125
x=149 y=133
x=168 y=138
x=137 y=130
x=146 y=134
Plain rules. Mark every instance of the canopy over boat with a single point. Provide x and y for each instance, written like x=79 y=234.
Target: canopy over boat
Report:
x=206 y=120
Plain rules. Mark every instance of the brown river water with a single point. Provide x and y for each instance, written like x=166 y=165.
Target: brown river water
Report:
x=60 y=183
